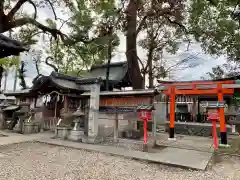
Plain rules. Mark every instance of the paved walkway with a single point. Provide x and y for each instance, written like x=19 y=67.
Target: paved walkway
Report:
x=13 y=138
x=186 y=142
x=169 y=156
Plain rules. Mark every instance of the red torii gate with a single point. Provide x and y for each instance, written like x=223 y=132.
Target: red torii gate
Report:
x=218 y=88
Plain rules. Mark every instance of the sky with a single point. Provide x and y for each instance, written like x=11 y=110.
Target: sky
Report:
x=203 y=62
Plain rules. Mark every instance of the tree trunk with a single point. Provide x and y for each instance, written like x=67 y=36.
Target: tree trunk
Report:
x=144 y=79
x=131 y=45
x=150 y=68
x=108 y=63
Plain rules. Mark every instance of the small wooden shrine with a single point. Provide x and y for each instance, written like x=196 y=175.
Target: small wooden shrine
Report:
x=66 y=90
x=58 y=93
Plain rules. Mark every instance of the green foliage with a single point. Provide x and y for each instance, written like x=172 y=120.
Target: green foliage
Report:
x=162 y=35
x=224 y=71
x=90 y=19
x=9 y=62
x=215 y=27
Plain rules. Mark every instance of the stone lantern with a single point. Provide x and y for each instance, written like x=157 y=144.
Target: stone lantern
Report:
x=78 y=126
x=30 y=126
x=62 y=126
x=3 y=105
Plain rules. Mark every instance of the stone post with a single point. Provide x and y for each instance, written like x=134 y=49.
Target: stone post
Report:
x=93 y=115
x=116 y=127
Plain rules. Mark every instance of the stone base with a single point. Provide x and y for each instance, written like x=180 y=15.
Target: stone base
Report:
x=224 y=146
x=145 y=148
x=75 y=135
x=61 y=132
x=28 y=128
x=92 y=140
x=36 y=128
x=194 y=129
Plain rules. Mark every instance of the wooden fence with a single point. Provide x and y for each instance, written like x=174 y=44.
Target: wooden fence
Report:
x=50 y=124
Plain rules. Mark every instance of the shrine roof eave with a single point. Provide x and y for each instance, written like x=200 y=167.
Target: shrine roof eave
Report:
x=117 y=72
x=199 y=81
x=56 y=81
x=152 y=92
x=10 y=46
x=24 y=92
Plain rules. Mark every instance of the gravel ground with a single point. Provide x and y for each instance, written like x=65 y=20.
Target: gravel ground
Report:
x=129 y=146
x=28 y=161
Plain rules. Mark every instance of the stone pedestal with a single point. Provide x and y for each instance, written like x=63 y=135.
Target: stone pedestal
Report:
x=75 y=135
x=36 y=128
x=28 y=128
x=62 y=132
x=1 y=120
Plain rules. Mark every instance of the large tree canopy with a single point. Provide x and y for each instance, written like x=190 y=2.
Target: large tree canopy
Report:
x=215 y=23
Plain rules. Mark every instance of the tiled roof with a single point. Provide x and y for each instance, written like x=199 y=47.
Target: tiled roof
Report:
x=145 y=107
x=97 y=74
x=117 y=71
x=116 y=109
x=10 y=47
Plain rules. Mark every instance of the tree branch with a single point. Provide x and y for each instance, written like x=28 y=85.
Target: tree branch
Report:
x=53 y=10
x=49 y=64
x=142 y=22
x=212 y=2
x=24 y=21
x=1 y=6
x=182 y=27
x=150 y=14
x=18 y=6
x=139 y=60
x=2 y=15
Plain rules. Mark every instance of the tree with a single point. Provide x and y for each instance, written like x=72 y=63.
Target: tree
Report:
x=11 y=16
x=161 y=36
x=6 y=64
x=79 y=57
x=21 y=75
x=138 y=15
x=224 y=71
x=216 y=25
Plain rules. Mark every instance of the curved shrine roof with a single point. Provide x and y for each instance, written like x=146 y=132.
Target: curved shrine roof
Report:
x=10 y=46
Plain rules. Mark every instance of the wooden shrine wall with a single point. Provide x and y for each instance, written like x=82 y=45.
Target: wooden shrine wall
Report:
x=127 y=118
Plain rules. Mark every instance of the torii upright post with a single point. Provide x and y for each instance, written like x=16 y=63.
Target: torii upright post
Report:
x=172 y=112
x=223 y=131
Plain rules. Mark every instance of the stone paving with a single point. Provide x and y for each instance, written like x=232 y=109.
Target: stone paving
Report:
x=12 y=138
x=170 y=155
x=31 y=161
x=186 y=142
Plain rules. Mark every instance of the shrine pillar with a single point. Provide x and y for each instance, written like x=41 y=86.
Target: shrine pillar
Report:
x=223 y=130
x=92 y=134
x=172 y=113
